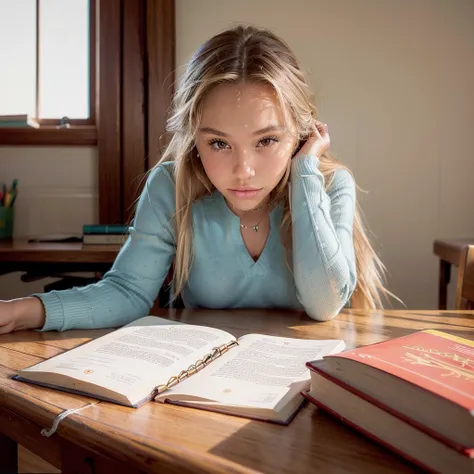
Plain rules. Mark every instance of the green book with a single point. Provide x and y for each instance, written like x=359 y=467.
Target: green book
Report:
x=105 y=229
x=18 y=121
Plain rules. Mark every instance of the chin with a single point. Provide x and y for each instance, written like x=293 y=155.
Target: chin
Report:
x=246 y=204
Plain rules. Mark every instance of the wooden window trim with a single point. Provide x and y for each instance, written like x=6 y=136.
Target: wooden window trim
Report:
x=134 y=66
x=49 y=135
x=136 y=76
x=81 y=131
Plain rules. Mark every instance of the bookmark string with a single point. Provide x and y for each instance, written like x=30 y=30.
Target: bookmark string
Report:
x=200 y=364
x=61 y=416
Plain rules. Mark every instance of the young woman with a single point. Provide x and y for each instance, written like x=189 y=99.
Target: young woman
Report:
x=246 y=203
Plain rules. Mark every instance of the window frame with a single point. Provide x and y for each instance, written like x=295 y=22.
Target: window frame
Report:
x=80 y=131
x=130 y=103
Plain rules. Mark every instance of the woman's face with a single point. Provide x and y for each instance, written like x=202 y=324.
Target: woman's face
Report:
x=244 y=143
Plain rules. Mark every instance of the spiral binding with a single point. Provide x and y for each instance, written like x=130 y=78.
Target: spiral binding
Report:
x=196 y=367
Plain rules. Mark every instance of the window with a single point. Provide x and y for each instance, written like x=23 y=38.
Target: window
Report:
x=47 y=60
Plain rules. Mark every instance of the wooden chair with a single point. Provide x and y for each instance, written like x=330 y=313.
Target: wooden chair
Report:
x=465 y=285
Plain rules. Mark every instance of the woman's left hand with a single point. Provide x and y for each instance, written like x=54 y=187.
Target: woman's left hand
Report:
x=317 y=143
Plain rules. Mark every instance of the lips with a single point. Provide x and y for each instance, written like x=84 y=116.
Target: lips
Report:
x=245 y=193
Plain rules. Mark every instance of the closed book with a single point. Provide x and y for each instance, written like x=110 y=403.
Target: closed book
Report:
x=104 y=229
x=399 y=435
x=104 y=239
x=20 y=120
x=425 y=378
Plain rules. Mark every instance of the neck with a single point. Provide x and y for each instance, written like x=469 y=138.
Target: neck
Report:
x=258 y=210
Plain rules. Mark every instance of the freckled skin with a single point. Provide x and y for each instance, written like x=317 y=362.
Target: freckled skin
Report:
x=242 y=158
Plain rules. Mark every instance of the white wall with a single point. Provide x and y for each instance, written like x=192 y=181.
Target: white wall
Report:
x=58 y=187
x=392 y=78
x=394 y=81
x=58 y=193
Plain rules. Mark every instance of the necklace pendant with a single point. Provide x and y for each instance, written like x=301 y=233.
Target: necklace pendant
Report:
x=255 y=228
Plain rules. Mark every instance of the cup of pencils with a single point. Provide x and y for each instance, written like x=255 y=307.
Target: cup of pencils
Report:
x=7 y=200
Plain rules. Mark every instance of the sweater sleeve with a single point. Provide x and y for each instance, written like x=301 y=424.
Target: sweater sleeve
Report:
x=323 y=249
x=128 y=290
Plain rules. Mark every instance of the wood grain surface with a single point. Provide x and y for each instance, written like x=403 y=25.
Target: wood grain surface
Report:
x=164 y=438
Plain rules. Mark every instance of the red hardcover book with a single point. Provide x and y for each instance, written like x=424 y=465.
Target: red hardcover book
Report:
x=393 y=433
x=424 y=380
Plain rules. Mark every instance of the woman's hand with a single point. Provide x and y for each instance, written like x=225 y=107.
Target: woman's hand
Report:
x=317 y=143
x=7 y=317
x=24 y=313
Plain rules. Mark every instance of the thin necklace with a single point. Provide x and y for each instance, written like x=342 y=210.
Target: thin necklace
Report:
x=253 y=227
x=256 y=226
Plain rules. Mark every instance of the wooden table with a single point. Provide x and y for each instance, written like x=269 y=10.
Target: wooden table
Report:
x=40 y=259
x=48 y=258
x=449 y=252
x=160 y=438
x=37 y=260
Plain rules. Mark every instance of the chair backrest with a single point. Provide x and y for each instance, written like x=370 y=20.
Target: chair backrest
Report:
x=465 y=286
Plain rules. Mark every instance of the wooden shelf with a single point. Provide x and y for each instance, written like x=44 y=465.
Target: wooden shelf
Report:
x=48 y=135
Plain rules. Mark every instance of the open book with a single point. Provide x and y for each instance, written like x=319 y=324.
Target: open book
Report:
x=255 y=376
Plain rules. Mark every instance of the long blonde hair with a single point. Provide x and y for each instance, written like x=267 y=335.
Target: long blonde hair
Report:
x=248 y=54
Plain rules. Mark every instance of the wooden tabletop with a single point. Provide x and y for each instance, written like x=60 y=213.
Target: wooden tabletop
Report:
x=164 y=438
x=24 y=251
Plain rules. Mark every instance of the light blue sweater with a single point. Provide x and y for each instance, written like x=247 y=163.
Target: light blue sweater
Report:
x=223 y=274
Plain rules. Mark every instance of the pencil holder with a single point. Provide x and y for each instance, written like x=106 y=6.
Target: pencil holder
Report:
x=6 y=223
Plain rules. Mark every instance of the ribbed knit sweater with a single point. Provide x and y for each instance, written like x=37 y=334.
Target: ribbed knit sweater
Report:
x=320 y=276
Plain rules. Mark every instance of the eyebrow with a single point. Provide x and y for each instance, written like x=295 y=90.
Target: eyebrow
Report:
x=270 y=128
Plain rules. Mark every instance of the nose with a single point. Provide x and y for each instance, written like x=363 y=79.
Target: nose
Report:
x=243 y=166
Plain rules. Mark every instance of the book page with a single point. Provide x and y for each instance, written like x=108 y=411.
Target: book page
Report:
x=258 y=373
x=142 y=354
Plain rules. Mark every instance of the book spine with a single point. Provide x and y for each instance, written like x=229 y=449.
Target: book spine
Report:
x=100 y=239
x=196 y=367
x=366 y=433
x=425 y=429
x=14 y=118
x=105 y=229
x=17 y=124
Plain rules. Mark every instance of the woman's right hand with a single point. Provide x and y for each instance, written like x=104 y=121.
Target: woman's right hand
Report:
x=19 y=314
